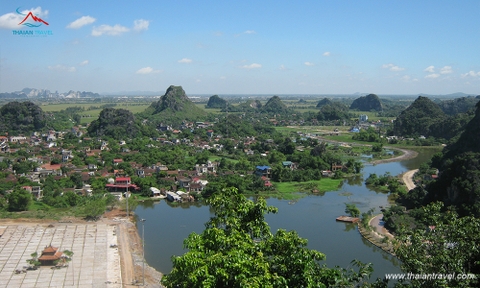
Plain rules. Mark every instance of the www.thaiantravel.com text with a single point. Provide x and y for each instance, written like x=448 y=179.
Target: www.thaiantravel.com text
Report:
x=430 y=276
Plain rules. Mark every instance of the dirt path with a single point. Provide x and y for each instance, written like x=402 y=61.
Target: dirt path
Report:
x=407 y=154
x=378 y=225
x=131 y=253
x=408 y=179
x=126 y=260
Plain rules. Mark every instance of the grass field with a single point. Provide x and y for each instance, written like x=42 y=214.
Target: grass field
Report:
x=323 y=185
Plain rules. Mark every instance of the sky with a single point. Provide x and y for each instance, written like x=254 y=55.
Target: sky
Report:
x=242 y=47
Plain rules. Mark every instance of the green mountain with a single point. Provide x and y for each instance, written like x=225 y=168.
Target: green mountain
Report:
x=174 y=107
x=333 y=111
x=458 y=105
x=470 y=138
x=275 y=105
x=371 y=102
x=118 y=124
x=249 y=106
x=216 y=102
x=21 y=118
x=418 y=118
x=323 y=102
x=459 y=178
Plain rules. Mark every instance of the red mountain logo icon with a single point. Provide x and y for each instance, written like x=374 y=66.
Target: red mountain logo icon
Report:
x=33 y=18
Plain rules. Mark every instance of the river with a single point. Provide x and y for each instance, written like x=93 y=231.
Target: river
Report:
x=313 y=217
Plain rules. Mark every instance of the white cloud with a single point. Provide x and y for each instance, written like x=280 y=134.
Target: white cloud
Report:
x=83 y=63
x=252 y=66
x=245 y=32
x=432 y=76
x=309 y=63
x=80 y=22
x=109 y=30
x=430 y=69
x=140 y=25
x=185 y=60
x=147 y=70
x=282 y=67
x=392 y=67
x=223 y=77
x=446 y=70
x=406 y=78
x=62 y=68
x=471 y=74
x=11 y=20
x=326 y=54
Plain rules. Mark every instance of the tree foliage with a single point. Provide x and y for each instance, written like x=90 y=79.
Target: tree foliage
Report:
x=448 y=246
x=21 y=118
x=117 y=124
x=237 y=249
x=19 y=200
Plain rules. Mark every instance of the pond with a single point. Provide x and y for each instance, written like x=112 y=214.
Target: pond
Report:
x=313 y=217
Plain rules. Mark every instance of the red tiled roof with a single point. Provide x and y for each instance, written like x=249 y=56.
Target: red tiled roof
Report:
x=52 y=166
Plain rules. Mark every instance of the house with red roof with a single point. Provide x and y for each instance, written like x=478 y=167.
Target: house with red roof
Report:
x=122 y=184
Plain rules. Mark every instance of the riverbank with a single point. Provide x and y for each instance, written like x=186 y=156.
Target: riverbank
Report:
x=407 y=178
x=376 y=234
x=131 y=252
x=406 y=154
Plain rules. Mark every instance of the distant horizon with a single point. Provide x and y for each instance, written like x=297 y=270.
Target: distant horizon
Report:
x=160 y=93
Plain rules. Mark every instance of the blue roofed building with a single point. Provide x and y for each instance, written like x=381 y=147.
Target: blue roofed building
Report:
x=263 y=171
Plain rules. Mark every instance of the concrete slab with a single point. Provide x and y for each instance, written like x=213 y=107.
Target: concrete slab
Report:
x=94 y=263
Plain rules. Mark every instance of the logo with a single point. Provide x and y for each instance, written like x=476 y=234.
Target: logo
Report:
x=31 y=21
x=33 y=18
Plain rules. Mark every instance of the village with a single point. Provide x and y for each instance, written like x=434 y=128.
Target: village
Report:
x=47 y=155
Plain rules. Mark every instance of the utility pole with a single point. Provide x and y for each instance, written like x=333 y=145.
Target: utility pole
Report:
x=126 y=193
x=143 y=247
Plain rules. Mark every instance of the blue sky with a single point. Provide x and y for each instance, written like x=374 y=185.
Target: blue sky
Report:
x=244 y=47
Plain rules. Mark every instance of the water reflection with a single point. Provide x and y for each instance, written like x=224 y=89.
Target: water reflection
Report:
x=356 y=180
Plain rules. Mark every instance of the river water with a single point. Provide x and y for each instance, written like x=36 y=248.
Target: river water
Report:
x=313 y=217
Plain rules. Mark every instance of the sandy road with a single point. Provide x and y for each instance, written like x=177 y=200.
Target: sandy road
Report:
x=125 y=254
x=408 y=179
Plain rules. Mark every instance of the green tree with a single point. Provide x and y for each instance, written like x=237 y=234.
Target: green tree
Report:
x=33 y=262
x=19 y=200
x=94 y=208
x=449 y=245
x=352 y=210
x=237 y=249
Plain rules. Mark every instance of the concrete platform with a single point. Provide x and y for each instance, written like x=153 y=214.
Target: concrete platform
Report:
x=94 y=263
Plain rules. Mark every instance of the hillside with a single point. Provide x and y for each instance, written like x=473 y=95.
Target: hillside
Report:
x=174 y=107
x=216 y=102
x=21 y=118
x=323 y=102
x=333 y=111
x=418 y=118
x=459 y=181
x=119 y=124
x=275 y=105
x=458 y=105
x=371 y=102
x=249 y=106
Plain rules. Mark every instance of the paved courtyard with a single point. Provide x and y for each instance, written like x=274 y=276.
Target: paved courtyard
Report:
x=94 y=263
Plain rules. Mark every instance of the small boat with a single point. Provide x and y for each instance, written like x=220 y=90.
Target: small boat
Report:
x=348 y=219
